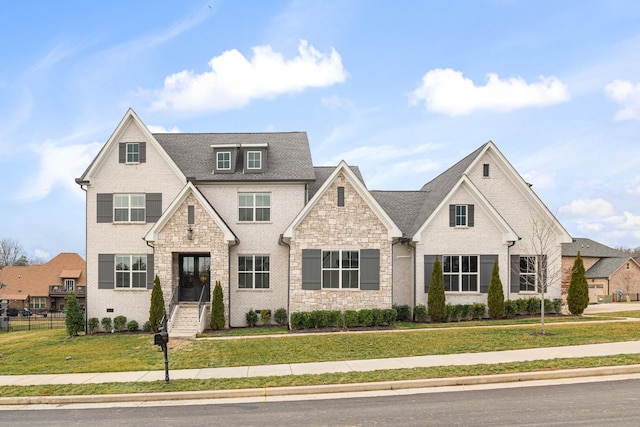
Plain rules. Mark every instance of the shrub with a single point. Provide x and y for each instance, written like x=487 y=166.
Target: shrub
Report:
x=557 y=305
x=548 y=305
x=307 y=320
x=420 y=313
x=93 y=324
x=132 y=326
x=436 y=303
x=510 y=308
x=389 y=316
x=533 y=305
x=265 y=316
x=365 y=317
x=495 y=298
x=217 y=321
x=318 y=319
x=119 y=323
x=451 y=312
x=403 y=313
x=522 y=305
x=377 y=317
x=478 y=310
x=334 y=318
x=280 y=316
x=74 y=318
x=297 y=320
x=106 y=324
x=156 y=310
x=350 y=318
x=578 y=293
x=147 y=327
x=252 y=318
x=465 y=311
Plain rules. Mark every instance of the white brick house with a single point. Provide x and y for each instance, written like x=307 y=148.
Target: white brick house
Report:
x=251 y=211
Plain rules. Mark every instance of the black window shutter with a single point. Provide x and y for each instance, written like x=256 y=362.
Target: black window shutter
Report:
x=340 y=196
x=311 y=269
x=452 y=215
x=106 y=271
x=470 y=218
x=142 y=152
x=122 y=152
x=370 y=269
x=486 y=268
x=104 y=207
x=429 y=260
x=515 y=274
x=150 y=273
x=191 y=214
x=153 y=202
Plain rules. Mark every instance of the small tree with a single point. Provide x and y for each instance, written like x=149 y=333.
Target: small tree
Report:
x=436 y=304
x=74 y=319
x=217 y=308
x=495 y=298
x=156 y=309
x=578 y=293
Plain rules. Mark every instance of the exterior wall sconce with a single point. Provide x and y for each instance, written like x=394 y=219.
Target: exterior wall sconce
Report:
x=190 y=233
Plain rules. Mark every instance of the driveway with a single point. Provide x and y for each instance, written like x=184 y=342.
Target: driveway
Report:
x=611 y=307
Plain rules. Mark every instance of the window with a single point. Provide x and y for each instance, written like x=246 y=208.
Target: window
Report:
x=461 y=215
x=223 y=160
x=340 y=269
x=131 y=271
x=38 y=302
x=485 y=170
x=253 y=271
x=129 y=207
x=340 y=196
x=527 y=274
x=133 y=152
x=254 y=160
x=460 y=273
x=254 y=207
x=69 y=284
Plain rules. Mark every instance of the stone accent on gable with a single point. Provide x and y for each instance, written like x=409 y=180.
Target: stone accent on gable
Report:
x=328 y=226
x=207 y=238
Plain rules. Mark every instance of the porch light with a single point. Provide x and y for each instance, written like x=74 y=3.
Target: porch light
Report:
x=190 y=233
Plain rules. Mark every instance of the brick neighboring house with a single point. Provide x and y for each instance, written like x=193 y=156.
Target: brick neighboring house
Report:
x=609 y=272
x=251 y=211
x=44 y=287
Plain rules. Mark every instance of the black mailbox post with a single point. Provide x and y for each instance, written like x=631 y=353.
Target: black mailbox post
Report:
x=161 y=338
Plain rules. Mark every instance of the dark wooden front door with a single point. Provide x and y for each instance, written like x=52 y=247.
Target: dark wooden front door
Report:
x=194 y=277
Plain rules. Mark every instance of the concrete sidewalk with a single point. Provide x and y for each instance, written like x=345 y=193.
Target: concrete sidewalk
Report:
x=494 y=357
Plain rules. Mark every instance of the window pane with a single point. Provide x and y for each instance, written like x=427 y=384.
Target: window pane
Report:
x=121 y=200
x=121 y=215
x=263 y=200
x=133 y=153
x=263 y=214
x=470 y=283
x=137 y=200
x=123 y=263
x=245 y=200
x=446 y=264
x=246 y=214
x=244 y=280
x=138 y=215
x=139 y=280
x=455 y=264
x=262 y=280
x=122 y=280
x=139 y=263
x=350 y=279
x=254 y=159
x=330 y=279
x=245 y=263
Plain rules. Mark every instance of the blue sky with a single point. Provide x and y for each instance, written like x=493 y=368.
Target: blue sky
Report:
x=403 y=89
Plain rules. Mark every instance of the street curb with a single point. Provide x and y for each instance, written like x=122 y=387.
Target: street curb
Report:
x=265 y=393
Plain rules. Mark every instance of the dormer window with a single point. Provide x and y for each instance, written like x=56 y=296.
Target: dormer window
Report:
x=254 y=160
x=223 y=160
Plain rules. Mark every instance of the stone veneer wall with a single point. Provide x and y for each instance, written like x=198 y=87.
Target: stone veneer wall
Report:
x=353 y=226
x=207 y=238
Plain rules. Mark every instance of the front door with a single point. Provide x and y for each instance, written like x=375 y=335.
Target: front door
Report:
x=194 y=277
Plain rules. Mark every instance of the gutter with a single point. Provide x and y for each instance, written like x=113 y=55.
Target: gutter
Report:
x=235 y=243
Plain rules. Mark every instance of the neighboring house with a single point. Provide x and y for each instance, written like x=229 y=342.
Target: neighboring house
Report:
x=609 y=272
x=44 y=287
x=251 y=211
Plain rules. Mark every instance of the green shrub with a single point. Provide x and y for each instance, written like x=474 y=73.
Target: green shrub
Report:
x=451 y=312
x=217 y=321
x=557 y=305
x=533 y=305
x=510 y=308
x=106 y=324
x=548 y=306
x=280 y=316
x=147 y=327
x=319 y=319
x=252 y=318
x=403 y=313
x=119 y=323
x=495 y=297
x=74 y=318
x=265 y=316
x=307 y=320
x=436 y=302
x=132 y=326
x=156 y=310
x=334 y=318
x=365 y=317
x=578 y=292
x=377 y=317
x=297 y=320
x=420 y=313
x=523 y=305
x=389 y=316
x=93 y=324
x=350 y=318
x=465 y=311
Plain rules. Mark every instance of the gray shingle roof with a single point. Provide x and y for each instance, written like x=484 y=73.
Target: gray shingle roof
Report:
x=323 y=173
x=288 y=155
x=403 y=207
x=591 y=249
x=605 y=267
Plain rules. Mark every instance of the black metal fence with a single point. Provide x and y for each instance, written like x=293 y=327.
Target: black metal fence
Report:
x=28 y=321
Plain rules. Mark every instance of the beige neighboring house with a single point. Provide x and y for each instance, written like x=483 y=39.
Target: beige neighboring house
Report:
x=44 y=287
x=612 y=275
x=251 y=211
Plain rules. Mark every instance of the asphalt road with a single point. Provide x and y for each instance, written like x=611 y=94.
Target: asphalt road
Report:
x=601 y=402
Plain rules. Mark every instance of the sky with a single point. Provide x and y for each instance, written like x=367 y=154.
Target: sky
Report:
x=402 y=89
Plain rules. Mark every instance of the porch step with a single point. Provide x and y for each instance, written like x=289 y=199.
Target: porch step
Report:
x=186 y=322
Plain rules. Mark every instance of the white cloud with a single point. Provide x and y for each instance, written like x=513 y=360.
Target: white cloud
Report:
x=593 y=208
x=447 y=91
x=540 y=179
x=235 y=80
x=42 y=254
x=627 y=95
x=162 y=129
x=59 y=165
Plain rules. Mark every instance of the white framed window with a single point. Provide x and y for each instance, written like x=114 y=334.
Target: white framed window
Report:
x=461 y=215
x=341 y=269
x=253 y=271
x=527 y=273
x=133 y=152
x=254 y=160
x=460 y=273
x=254 y=207
x=38 y=302
x=223 y=160
x=131 y=271
x=69 y=284
x=129 y=207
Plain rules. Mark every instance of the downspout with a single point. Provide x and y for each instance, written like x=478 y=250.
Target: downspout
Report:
x=236 y=242
x=86 y=244
x=415 y=291
x=282 y=242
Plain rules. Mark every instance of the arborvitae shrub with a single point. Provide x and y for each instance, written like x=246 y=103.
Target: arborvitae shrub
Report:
x=93 y=324
x=156 y=310
x=578 y=293
x=217 y=308
x=74 y=318
x=436 y=304
x=495 y=298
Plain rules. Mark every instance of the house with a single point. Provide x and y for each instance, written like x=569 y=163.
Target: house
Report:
x=251 y=211
x=44 y=287
x=612 y=274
